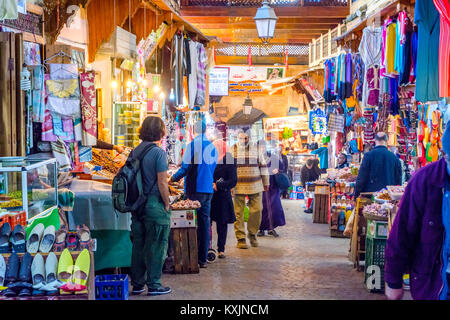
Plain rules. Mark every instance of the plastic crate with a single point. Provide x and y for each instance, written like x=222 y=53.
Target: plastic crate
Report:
x=375 y=255
x=4 y=219
x=18 y=218
x=111 y=287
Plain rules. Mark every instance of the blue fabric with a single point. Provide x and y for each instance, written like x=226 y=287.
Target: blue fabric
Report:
x=414 y=44
x=446 y=140
x=205 y=155
x=323 y=156
x=427 y=18
x=203 y=225
x=446 y=245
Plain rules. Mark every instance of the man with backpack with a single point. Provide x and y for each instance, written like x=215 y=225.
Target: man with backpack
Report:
x=141 y=188
x=198 y=165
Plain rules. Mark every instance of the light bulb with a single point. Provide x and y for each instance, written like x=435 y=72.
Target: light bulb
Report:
x=156 y=88
x=129 y=84
x=172 y=95
x=162 y=95
x=114 y=84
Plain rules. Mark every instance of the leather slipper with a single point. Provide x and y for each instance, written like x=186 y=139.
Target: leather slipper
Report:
x=47 y=239
x=12 y=269
x=81 y=269
x=35 y=238
x=18 y=239
x=5 y=232
x=84 y=236
x=65 y=266
x=25 y=268
x=38 y=272
x=72 y=241
x=2 y=270
x=60 y=239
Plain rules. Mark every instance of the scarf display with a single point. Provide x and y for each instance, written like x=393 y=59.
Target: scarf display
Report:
x=88 y=109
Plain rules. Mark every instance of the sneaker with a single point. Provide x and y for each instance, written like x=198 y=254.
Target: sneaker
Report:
x=273 y=233
x=261 y=233
x=137 y=290
x=308 y=211
x=222 y=255
x=203 y=265
x=242 y=244
x=253 y=240
x=158 y=291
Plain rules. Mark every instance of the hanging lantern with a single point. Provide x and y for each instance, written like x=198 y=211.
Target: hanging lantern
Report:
x=265 y=20
x=248 y=105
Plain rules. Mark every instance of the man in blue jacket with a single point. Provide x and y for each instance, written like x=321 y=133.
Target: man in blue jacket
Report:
x=198 y=165
x=379 y=168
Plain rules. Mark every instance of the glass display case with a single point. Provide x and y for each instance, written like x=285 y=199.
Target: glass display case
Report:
x=127 y=118
x=296 y=163
x=28 y=185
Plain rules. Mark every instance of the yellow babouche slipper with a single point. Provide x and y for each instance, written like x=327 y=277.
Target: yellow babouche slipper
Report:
x=81 y=269
x=65 y=266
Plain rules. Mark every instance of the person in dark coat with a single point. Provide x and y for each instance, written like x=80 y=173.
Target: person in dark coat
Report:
x=222 y=208
x=284 y=158
x=273 y=213
x=310 y=171
x=379 y=168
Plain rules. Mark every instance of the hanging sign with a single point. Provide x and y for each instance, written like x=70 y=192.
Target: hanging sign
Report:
x=219 y=81
x=317 y=122
x=246 y=79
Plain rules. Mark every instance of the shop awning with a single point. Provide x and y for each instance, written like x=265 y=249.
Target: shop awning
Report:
x=241 y=119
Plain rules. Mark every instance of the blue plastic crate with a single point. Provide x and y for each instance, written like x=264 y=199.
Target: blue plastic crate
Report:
x=111 y=287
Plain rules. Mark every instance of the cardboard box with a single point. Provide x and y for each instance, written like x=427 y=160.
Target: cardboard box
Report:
x=183 y=219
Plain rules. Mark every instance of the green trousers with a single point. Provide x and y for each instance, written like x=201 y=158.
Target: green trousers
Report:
x=254 y=215
x=150 y=236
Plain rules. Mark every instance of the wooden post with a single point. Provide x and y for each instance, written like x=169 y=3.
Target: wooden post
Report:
x=20 y=99
x=5 y=130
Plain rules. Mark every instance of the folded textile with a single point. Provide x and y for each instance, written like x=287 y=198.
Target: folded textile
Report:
x=47 y=128
x=64 y=107
x=61 y=71
x=61 y=154
x=63 y=88
x=88 y=109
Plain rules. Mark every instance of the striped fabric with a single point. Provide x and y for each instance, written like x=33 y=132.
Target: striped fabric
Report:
x=252 y=170
x=201 y=75
x=443 y=7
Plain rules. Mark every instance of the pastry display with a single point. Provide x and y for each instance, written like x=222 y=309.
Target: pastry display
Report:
x=105 y=160
x=379 y=210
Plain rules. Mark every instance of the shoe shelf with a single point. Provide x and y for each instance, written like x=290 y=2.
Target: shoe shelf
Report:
x=88 y=294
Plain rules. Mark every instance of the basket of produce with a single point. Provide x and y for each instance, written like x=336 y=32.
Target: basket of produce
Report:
x=396 y=192
x=377 y=212
x=186 y=205
x=382 y=196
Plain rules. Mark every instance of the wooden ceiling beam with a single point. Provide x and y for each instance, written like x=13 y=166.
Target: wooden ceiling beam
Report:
x=287 y=39
x=280 y=26
x=206 y=20
x=310 y=12
x=253 y=33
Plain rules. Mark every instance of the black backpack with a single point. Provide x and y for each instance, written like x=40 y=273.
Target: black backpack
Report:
x=127 y=188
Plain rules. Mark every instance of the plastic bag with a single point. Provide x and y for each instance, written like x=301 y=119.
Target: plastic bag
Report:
x=349 y=227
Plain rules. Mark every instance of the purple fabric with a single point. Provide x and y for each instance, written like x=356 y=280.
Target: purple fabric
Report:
x=416 y=238
x=373 y=85
x=348 y=75
x=272 y=208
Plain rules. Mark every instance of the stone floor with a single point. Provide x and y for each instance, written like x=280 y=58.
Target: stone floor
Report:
x=303 y=263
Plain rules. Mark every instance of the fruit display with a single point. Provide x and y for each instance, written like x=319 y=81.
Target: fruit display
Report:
x=14 y=203
x=15 y=194
x=104 y=159
x=186 y=205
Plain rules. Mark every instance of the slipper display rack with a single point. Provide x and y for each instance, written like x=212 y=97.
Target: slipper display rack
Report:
x=88 y=294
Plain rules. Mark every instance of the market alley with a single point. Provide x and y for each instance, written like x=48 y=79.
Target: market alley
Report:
x=303 y=263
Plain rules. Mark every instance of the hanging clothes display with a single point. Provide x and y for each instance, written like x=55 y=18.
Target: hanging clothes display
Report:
x=443 y=7
x=193 y=74
x=38 y=94
x=370 y=51
x=427 y=74
x=9 y=9
x=201 y=75
x=88 y=109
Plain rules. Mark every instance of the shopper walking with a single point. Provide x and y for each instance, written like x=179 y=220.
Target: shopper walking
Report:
x=419 y=241
x=198 y=165
x=253 y=179
x=272 y=213
x=379 y=168
x=150 y=228
x=283 y=154
x=222 y=208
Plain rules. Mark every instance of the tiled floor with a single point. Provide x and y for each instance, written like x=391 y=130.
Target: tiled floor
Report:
x=303 y=263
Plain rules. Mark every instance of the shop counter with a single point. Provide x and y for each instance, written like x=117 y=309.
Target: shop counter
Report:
x=93 y=207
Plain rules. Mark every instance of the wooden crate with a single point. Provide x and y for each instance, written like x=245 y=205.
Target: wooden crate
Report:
x=321 y=207
x=185 y=250
x=88 y=294
x=358 y=239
